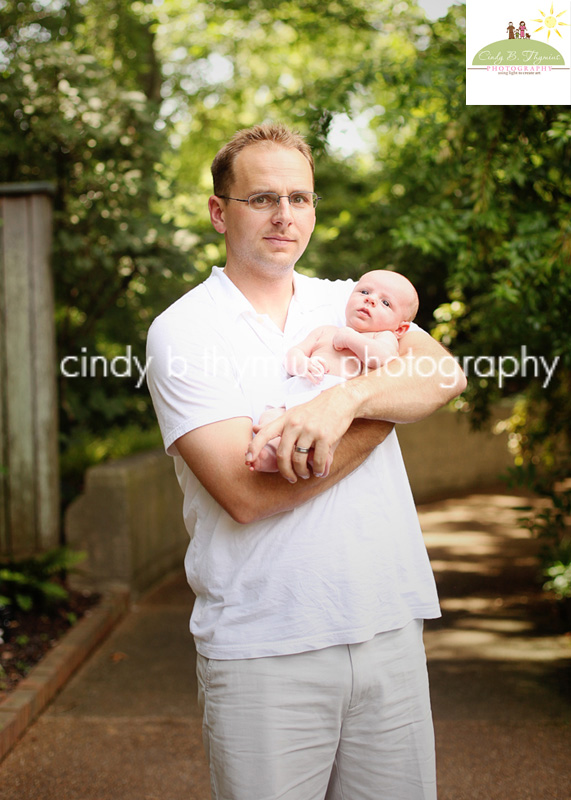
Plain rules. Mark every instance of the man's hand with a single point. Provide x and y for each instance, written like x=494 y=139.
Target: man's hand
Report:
x=317 y=425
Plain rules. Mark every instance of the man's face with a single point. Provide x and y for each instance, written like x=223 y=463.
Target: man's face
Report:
x=270 y=241
x=379 y=302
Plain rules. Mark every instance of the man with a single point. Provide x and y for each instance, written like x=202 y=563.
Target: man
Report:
x=310 y=593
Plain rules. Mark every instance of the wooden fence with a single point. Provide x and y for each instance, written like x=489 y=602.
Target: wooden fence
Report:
x=29 y=476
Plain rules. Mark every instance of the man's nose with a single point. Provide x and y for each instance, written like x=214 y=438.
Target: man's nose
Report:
x=283 y=210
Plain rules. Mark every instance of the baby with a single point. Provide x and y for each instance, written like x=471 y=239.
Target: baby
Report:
x=379 y=311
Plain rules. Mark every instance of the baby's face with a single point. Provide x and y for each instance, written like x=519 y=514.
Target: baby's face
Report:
x=379 y=302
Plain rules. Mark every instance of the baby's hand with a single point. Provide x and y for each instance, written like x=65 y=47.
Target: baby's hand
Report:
x=340 y=338
x=316 y=369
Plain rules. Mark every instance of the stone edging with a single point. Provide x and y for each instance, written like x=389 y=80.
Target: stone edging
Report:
x=44 y=681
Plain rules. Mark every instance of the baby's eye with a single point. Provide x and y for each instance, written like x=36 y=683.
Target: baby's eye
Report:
x=364 y=291
x=386 y=303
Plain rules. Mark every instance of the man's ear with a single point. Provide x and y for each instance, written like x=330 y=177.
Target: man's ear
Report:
x=402 y=329
x=216 y=214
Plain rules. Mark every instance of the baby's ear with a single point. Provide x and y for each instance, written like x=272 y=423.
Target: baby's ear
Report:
x=402 y=329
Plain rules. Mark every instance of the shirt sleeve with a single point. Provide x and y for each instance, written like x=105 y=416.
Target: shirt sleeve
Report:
x=191 y=379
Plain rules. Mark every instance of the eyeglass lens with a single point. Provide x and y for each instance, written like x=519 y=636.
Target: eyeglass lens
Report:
x=266 y=200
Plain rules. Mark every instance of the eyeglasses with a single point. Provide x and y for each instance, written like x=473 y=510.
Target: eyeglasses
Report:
x=269 y=201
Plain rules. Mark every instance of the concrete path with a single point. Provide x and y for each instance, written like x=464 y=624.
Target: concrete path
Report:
x=126 y=727
x=500 y=669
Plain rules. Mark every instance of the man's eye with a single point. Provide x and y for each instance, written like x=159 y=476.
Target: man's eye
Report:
x=299 y=199
x=262 y=200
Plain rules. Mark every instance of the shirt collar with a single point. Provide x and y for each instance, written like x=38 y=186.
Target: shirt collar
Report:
x=227 y=296
x=307 y=295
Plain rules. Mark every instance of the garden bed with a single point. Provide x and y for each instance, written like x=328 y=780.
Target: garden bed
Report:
x=28 y=635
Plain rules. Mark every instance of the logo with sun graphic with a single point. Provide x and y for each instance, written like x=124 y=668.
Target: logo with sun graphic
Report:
x=518 y=52
x=551 y=22
x=518 y=47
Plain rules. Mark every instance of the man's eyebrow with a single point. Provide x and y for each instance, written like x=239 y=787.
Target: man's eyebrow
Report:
x=273 y=191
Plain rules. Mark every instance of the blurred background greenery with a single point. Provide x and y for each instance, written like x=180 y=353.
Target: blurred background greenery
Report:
x=124 y=104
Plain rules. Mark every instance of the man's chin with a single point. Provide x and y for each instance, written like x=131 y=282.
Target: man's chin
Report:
x=280 y=260
x=274 y=266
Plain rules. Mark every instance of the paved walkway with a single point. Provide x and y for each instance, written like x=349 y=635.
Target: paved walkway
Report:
x=126 y=727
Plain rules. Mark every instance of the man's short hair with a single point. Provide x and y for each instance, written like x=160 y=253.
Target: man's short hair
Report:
x=223 y=165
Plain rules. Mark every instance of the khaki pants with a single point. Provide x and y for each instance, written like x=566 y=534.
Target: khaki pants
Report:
x=350 y=722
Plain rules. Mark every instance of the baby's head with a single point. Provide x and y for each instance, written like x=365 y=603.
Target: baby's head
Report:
x=382 y=301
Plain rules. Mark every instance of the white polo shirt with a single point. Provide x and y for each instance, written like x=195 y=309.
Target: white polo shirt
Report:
x=339 y=569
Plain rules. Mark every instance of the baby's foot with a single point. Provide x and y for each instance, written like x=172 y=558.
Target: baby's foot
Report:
x=265 y=462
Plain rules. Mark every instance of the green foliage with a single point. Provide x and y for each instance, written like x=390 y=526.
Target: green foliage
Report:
x=79 y=106
x=32 y=583
x=540 y=444
x=559 y=575
x=124 y=104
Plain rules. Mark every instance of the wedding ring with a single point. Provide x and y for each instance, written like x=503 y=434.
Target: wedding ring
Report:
x=302 y=449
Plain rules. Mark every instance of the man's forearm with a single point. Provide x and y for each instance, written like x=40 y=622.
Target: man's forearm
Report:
x=411 y=387
x=396 y=399
x=215 y=454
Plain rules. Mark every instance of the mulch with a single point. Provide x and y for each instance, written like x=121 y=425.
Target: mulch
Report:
x=26 y=636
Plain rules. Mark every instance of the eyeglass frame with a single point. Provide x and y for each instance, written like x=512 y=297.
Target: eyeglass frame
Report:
x=278 y=197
